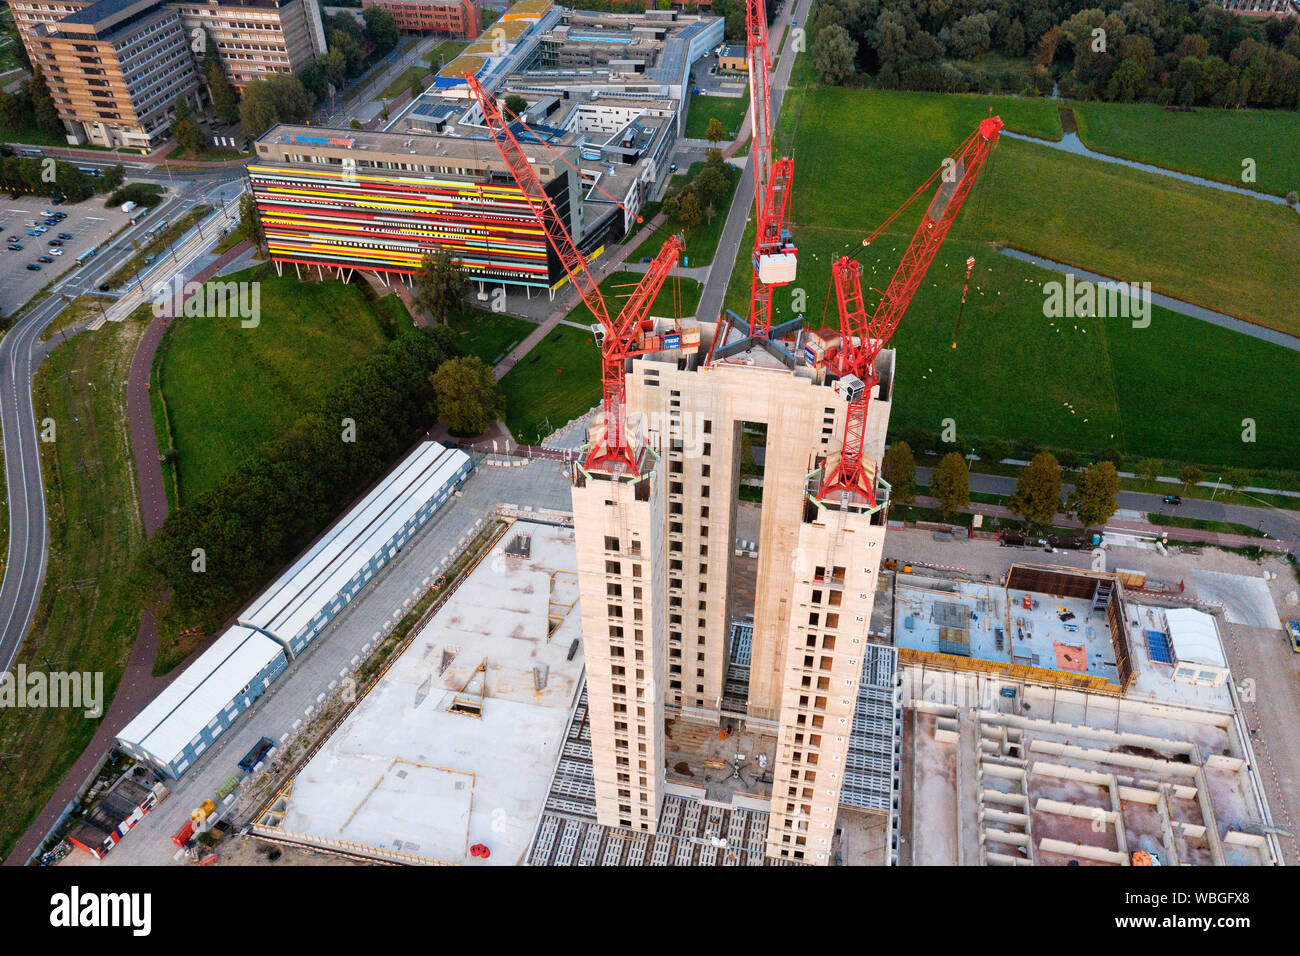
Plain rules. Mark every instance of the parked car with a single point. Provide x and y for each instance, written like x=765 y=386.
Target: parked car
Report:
x=1173 y=500
x=56 y=252
x=45 y=259
x=47 y=213
x=58 y=200
x=103 y=287
x=33 y=267
x=51 y=221
x=56 y=242
x=15 y=247
x=32 y=232
x=65 y=235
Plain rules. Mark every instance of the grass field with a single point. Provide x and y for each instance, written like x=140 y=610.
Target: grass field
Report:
x=1013 y=372
x=88 y=615
x=403 y=82
x=489 y=335
x=1209 y=143
x=229 y=388
x=702 y=241
x=564 y=381
x=728 y=110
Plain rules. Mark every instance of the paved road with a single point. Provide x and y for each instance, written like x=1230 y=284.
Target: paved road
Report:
x=742 y=205
x=19 y=356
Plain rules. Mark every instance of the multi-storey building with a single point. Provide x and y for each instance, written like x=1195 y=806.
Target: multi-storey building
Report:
x=256 y=37
x=116 y=67
x=815 y=584
x=453 y=18
x=381 y=201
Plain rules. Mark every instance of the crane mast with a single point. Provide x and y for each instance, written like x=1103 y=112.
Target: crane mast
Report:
x=861 y=337
x=621 y=337
x=774 y=252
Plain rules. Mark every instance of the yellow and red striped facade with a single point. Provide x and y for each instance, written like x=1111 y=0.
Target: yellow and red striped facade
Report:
x=385 y=222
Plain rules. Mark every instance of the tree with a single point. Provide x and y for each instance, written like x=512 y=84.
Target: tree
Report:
x=1190 y=475
x=225 y=101
x=834 y=53
x=276 y=98
x=516 y=104
x=1093 y=498
x=43 y=108
x=250 y=222
x=440 y=286
x=1038 y=490
x=899 y=468
x=712 y=183
x=114 y=177
x=971 y=36
x=181 y=110
x=950 y=484
x=690 y=213
x=1236 y=478
x=381 y=29
x=715 y=132
x=1148 y=469
x=467 y=394
x=189 y=135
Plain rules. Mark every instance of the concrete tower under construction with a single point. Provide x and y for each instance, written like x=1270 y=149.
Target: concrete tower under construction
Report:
x=655 y=554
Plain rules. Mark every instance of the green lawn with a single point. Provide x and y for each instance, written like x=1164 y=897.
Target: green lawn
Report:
x=1210 y=143
x=1013 y=372
x=564 y=381
x=89 y=611
x=728 y=110
x=489 y=335
x=403 y=82
x=230 y=388
x=702 y=241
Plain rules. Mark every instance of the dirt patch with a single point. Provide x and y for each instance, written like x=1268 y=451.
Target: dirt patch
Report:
x=1068 y=123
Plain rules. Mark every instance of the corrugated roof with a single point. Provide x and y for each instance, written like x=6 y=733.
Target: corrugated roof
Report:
x=289 y=605
x=189 y=703
x=1194 y=637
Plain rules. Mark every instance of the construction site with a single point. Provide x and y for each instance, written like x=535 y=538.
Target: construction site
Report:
x=448 y=759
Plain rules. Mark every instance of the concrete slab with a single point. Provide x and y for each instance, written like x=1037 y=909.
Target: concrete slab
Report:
x=405 y=773
x=1247 y=599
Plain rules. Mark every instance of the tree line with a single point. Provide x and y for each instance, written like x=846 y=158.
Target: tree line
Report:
x=35 y=175
x=216 y=552
x=698 y=201
x=1173 y=52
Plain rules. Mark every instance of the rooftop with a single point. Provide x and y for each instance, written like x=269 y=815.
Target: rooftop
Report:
x=403 y=776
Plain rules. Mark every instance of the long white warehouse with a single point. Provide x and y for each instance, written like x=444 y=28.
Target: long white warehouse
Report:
x=296 y=608
x=206 y=698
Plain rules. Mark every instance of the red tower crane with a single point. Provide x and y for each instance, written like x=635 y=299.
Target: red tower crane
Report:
x=775 y=256
x=621 y=337
x=862 y=337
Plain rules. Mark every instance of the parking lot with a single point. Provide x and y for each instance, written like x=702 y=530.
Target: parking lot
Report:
x=88 y=223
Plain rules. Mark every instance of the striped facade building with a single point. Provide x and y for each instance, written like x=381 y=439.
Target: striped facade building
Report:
x=382 y=201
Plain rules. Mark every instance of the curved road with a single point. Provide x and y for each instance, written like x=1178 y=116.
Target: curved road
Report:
x=19 y=356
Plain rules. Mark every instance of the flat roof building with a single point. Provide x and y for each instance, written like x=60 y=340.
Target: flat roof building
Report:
x=303 y=600
x=453 y=18
x=178 y=725
x=453 y=748
x=116 y=67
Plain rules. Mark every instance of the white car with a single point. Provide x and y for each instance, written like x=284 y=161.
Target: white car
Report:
x=55 y=252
